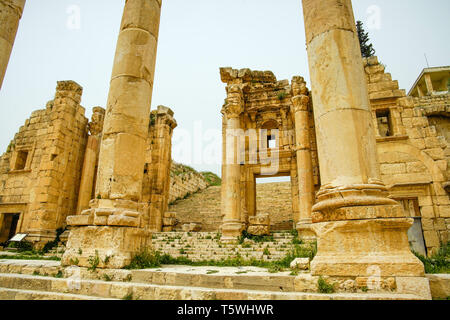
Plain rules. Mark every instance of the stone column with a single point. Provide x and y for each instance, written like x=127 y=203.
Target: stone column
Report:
x=90 y=162
x=231 y=199
x=159 y=170
x=115 y=218
x=429 y=84
x=360 y=230
x=10 y=14
x=300 y=110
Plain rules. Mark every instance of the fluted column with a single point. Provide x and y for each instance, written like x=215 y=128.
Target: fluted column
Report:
x=358 y=226
x=10 y=14
x=300 y=110
x=231 y=199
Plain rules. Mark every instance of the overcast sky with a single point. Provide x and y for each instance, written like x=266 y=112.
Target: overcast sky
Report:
x=75 y=40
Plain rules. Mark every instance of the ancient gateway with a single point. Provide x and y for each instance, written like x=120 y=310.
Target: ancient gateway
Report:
x=367 y=162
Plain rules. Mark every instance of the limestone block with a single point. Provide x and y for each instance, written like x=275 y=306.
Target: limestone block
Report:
x=123 y=220
x=259 y=230
x=414 y=285
x=192 y=227
x=169 y=221
x=444 y=211
x=359 y=250
x=170 y=214
x=306 y=283
x=117 y=243
x=427 y=224
x=80 y=220
x=300 y=264
x=439 y=285
x=431 y=238
x=260 y=219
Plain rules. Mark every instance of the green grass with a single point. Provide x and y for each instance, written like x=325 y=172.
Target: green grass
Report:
x=152 y=260
x=128 y=297
x=246 y=235
x=437 y=263
x=212 y=271
x=282 y=96
x=94 y=261
x=324 y=286
x=211 y=178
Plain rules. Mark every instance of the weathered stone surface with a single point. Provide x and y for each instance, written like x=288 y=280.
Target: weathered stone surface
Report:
x=259 y=230
x=111 y=247
x=300 y=264
x=10 y=14
x=260 y=219
x=192 y=227
x=439 y=285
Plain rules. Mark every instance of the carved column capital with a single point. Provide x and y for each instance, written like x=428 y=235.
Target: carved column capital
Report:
x=97 y=120
x=232 y=110
x=300 y=103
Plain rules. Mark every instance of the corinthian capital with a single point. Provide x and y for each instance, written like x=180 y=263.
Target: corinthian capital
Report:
x=232 y=110
x=300 y=103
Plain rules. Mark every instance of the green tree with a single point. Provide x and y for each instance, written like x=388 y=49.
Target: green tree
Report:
x=367 y=49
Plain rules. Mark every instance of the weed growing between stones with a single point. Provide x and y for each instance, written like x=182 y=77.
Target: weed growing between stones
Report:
x=246 y=235
x=438 y=262
x=324 y=286
x=94 y=261
x=149 y=259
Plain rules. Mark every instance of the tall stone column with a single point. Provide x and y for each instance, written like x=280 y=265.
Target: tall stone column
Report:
x=300 y=110
x=90 y=162
x=360 y=230
x=159 y=167
x=114 y=219
x=231 y=196
x=10 y=14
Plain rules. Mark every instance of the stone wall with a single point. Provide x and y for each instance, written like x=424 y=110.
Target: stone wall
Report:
x=40 y=172
x=185 y=181
x=412 y=142
x=50 y=163
x=276 y=200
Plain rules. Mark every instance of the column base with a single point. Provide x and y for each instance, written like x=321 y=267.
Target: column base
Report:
x=104 y=246
x=231 y=230
x=105 y=212
x=365 y=248
x=305 y=230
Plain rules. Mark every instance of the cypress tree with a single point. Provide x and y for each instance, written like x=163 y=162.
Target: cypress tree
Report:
x=367 y=49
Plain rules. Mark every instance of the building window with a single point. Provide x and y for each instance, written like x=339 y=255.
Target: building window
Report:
x=21 y=160
x=271 y=142
x=384 y=121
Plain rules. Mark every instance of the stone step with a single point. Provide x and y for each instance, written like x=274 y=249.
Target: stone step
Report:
x=16 y=294
x=87 y=289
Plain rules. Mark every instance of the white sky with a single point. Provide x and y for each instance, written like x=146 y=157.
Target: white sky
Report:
x=196 y=38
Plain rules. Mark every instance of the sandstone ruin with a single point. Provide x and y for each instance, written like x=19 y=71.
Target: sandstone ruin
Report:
x=368 y=164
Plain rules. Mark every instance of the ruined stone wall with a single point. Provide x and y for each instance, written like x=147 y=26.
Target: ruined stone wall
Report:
x=40 y=172
x=412 y=150
x=185 y=181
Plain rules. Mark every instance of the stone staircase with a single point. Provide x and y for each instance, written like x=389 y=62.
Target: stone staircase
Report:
x=201 y=246
x=204 y=208
x=47 y=280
